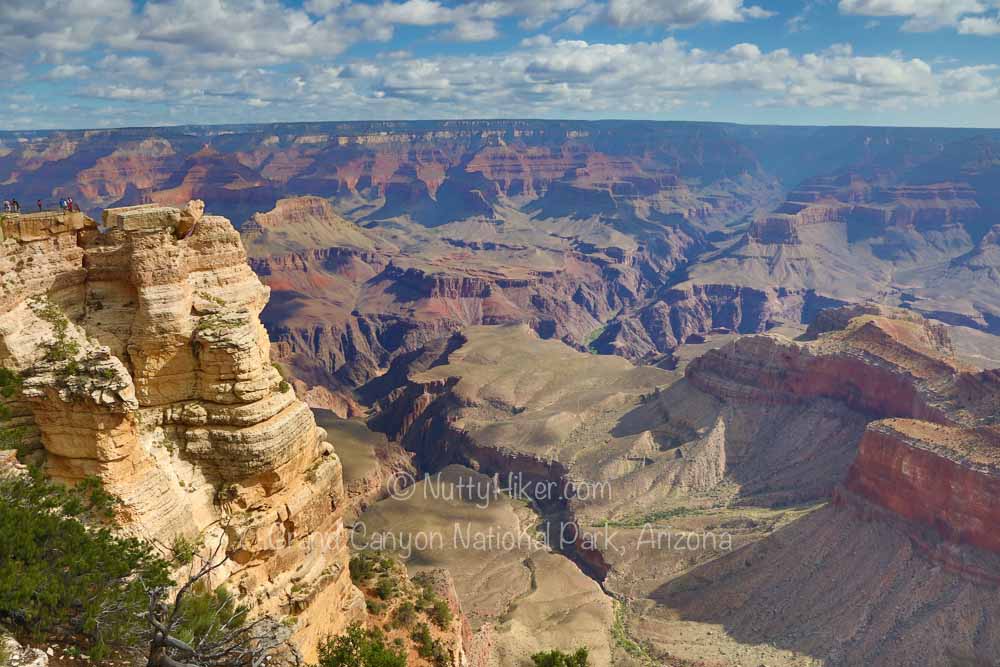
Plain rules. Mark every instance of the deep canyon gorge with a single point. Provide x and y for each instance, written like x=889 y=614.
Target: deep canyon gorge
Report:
x=784 y=335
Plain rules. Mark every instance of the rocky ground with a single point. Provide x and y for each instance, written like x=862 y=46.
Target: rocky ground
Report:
x=520 y=596
x=729 y=508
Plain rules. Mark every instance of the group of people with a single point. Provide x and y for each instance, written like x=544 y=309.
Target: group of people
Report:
x=65 y=205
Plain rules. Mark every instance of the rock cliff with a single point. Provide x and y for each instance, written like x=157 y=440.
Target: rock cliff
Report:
x=145 y=363
x=869 y=408
x=931 y=451
x=350 y=300
x=795 y=217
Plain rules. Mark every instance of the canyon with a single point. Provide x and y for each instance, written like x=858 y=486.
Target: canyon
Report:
x=864 y=445
x=623 y=237
x=144 y=364
x=785 y=337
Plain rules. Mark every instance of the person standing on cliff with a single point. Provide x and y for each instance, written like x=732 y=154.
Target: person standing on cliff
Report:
x=15 y=206
x=39 y=205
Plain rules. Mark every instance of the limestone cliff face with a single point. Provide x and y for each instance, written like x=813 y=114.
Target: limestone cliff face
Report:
x=353 y=301
x=694 y=309
x=145 y=364
x=930 y=457
x=935 y=475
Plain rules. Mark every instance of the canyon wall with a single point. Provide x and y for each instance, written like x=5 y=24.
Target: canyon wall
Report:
x=929 y=456
x=351 y=299
x=145 y=364
x=622 y=237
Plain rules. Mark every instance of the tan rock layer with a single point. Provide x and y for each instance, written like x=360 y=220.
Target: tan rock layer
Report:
x=145 y=364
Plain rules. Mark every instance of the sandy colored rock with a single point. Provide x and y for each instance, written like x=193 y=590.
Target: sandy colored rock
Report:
x=190 y=215
x=144 y=363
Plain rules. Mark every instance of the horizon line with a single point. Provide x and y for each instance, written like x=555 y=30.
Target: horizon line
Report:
x=497 y=120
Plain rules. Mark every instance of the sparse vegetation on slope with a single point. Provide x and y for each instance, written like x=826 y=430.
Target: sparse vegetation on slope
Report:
x=62 y=575
x=409 y=611
x=360 y=647
x=578 y=658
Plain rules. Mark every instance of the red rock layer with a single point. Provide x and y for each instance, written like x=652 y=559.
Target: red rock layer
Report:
x=931 y=458
x=939 y=476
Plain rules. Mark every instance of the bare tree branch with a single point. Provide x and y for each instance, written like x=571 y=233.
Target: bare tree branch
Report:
x=228 y=641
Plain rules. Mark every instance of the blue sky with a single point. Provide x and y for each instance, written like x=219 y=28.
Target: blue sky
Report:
x=111 y=63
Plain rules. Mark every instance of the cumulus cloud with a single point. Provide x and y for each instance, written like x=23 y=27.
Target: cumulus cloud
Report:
x=980 y=25
x=923 y=15
x=681 y=13
x=69 y=71
x=226 y=60
x=115 y=92
x=59 y=25
x=471 y=21
x=547 y=76
x=236 y=33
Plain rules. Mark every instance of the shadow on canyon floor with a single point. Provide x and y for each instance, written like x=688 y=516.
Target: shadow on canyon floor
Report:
x=845 y=590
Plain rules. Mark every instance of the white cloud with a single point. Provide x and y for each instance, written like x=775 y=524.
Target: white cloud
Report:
x=69 y=71
x=566 y=76
x=409 y=12
x=472 y=21
x=474 y=31
x=234 y=33
x=980 y=25
x=59 y=25
x=220 y=60
x=681 y=13
x=924 y=15
x=126 y=93
x=322 y=6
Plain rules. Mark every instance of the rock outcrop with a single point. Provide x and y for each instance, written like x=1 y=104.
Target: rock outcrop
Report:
x=931 y=453
x=835 y=240
x=21 y=656
x=351 y=300
x=144 y=363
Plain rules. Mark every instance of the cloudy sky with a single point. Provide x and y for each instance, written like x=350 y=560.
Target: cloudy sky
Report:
x=101 y=63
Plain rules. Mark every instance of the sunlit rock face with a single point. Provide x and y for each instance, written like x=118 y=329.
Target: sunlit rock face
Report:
x=145 y=364
x=930 y=457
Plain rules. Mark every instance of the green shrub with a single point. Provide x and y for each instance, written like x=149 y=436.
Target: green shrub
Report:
x=405 y=616
x=360 y=647
x=60 y=574
x=205 y=611
x=432 y=603
x=421 y=636
x=363 y=566
x=386 y=587
x=10 y=386
x=226 y=494
x=184 y=550
x=429 y=648
x=559 y=659
x=440 y=613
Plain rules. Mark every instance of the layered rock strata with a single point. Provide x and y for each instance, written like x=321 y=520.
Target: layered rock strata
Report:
x=352 y=299
x=931 y=453
x=145 y=364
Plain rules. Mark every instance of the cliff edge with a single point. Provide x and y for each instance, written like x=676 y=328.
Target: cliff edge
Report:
x=144 y=363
